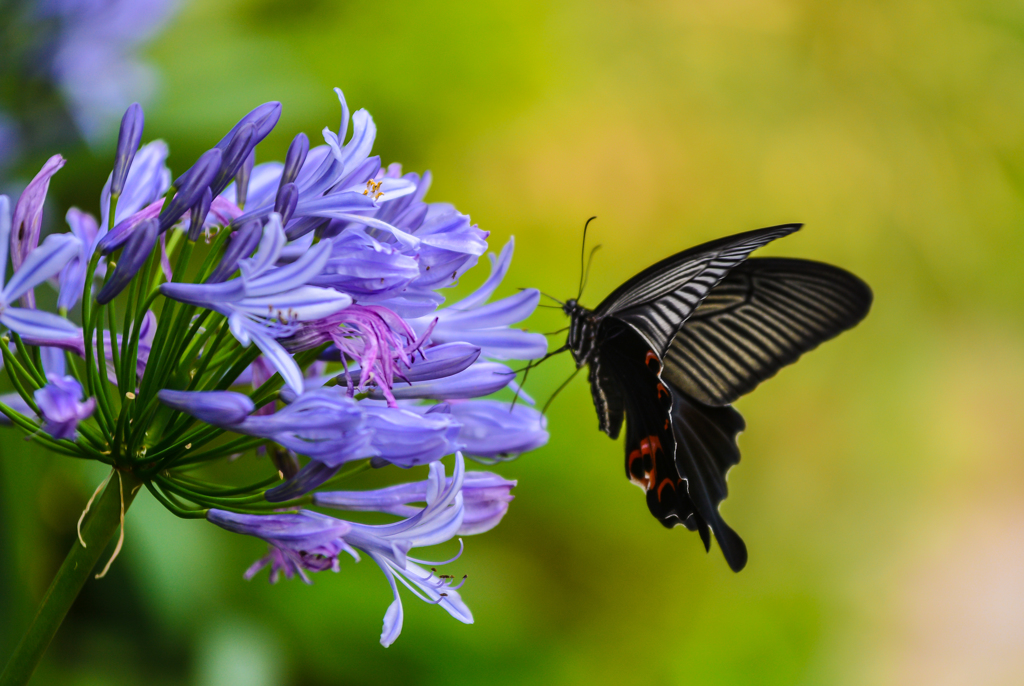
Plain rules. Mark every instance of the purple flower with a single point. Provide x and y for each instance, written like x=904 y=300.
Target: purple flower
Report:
x=482 y=378
x=408 y=439
x=268 y=302
x=495 y=430
x=307 y=541
x=485 y=499
x=136 y=251
x=147 y=181
x=374 y=336
x=389 y=545
x=28 y=218
x=323 y=424
x=128 y=140
x=40 y=264
x=311 y=542
x=60 y=402
x=487 y=326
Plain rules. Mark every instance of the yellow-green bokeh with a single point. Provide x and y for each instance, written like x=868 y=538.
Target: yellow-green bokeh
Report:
x=881 y=492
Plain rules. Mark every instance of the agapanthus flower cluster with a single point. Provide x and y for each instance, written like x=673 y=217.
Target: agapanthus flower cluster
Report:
x=293 y=311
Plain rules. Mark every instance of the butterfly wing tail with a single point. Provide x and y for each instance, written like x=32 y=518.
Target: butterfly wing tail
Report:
x=705 y=451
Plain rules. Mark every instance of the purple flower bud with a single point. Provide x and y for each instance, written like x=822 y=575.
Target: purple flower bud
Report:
x=287 y=199
x=60 y=402
x=128 y=140
x=198 y=216
x=190 y=187
x=408 y=439
x=220 y=408
x=28 y=217
x=486 y=497
x=242 y=242
x=233 y=157
x=296 y=157
x=136 y=252
x=482 y=378
x=495 y=430
x=265 y=117
x=242 y=179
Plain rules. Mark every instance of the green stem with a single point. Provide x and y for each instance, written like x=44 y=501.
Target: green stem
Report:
x=97 y=531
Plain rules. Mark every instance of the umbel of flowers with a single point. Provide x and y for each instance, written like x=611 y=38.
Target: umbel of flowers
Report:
x=294 y=309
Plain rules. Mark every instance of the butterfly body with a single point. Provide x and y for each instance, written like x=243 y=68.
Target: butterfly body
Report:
x=673 y=347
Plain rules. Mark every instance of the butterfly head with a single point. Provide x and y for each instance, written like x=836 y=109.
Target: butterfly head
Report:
x=582 y=329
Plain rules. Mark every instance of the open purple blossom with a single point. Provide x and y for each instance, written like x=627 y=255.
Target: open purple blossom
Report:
x=377 y=339
x=485 y=499
x=61 y=406
x=488 y=325
x=389 y=546
x=301 y=542
x=291 y=310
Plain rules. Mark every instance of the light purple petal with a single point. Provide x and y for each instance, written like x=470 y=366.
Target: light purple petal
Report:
x=499 y=268
x=5 y=234
x=39 y=324
x=292 y=276
x=305 y=303
x=28 y=212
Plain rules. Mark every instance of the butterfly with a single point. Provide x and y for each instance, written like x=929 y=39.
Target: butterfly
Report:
x=672 y=348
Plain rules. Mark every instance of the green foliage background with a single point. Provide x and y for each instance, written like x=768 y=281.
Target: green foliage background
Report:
x=881 y=492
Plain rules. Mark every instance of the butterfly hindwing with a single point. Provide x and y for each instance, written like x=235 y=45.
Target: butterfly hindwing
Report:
x=705 y=451
x=633 y=374
x=760 y=318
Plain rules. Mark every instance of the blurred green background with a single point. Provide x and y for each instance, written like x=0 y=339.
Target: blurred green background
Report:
x=881 y=493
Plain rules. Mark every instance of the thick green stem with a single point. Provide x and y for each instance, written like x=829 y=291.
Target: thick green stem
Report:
x=98 y=529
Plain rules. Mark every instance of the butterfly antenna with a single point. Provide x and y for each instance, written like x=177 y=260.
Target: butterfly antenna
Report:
x=559 y=390
x=530 y=365
x=583 y=254
x=586 y=274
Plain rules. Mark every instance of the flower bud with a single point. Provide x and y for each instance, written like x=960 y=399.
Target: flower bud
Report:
x=243 y=241
x=191 y=186
x=128 y=140
x=199 y=212
x=296 y=157
x=136 y=252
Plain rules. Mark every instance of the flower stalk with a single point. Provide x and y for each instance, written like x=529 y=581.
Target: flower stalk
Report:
x=98 y=529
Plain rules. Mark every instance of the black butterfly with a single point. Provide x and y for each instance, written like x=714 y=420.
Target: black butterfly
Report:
x=674 y=346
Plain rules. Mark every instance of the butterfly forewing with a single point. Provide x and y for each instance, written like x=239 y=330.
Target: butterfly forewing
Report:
x=761 y=317
x=657 y=301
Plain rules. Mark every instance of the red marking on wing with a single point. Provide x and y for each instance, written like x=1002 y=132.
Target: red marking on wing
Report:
x=652 y=357
x=649 y=447
x=662 y=391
